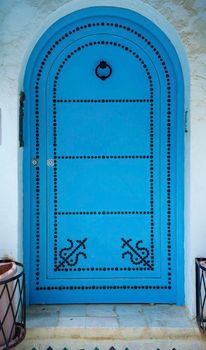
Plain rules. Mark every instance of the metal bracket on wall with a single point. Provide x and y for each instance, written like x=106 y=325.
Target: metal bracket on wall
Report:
x=21 y=118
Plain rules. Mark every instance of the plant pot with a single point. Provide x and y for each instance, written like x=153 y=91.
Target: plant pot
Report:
x=7 y=316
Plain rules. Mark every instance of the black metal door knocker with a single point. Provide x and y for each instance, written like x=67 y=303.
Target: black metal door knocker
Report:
x=103 y=70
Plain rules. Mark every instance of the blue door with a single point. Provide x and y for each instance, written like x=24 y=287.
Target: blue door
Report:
x=104 y=144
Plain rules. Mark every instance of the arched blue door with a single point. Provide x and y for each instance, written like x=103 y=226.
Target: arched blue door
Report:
x=104 y=110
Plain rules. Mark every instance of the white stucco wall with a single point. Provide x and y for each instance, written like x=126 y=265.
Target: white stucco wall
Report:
x=21 y=21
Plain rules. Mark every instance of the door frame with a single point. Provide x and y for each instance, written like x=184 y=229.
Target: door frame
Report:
x=138 y=8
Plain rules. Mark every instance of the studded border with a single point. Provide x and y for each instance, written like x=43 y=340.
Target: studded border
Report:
x=151 y=100
x=102 y=269
x=103 y=212
x=124 y=100
x=57 y=42
x=104 y=157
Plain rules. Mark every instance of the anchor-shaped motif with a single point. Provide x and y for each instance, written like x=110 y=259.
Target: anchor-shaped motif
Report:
x=68 y=256
x=138 y=254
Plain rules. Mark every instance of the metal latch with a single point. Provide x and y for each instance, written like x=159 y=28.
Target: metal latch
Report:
x=21 y=117
x=186 y=121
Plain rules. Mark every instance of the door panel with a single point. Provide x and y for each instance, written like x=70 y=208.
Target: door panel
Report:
x=104 y=190
x=103 y=185
x=103 y=121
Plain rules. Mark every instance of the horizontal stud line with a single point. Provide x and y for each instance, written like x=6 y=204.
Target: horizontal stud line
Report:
x=124 y=100
x=105 y=269
x=103 y=287
x=105 y=157
x=129 y=212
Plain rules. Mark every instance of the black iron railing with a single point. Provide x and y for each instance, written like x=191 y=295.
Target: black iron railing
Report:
x=201 y=293
x=12 y=308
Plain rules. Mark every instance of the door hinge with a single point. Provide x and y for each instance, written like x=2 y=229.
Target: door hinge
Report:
x=21 y=118
x=186 y=121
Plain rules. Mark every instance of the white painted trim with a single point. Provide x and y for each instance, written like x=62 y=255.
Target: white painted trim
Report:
x=136 y=6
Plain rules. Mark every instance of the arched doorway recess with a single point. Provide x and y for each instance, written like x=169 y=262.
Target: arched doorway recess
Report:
x=104 y=160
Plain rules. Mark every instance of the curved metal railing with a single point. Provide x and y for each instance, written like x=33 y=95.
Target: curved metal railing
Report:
x=12 y=307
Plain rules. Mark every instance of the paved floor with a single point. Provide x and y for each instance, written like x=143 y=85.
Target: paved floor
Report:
x=100 y=327
x=112 y=321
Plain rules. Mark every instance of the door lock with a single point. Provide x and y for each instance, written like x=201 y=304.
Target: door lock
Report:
x=34 y=162
x=50 y=162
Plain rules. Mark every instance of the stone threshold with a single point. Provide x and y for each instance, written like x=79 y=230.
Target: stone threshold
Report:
x=106 y=327
x=111 y=322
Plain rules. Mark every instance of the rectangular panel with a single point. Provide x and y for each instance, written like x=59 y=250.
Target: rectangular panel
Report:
x=103 y=185
x=85 y=240
x=103 y=129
